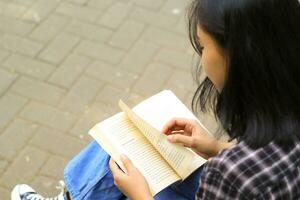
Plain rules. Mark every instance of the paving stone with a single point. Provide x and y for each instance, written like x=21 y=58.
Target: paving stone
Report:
x=115 y=15
x=80 y=2
x=25 y=2
x=101 y=110
x=112 y=75
x=10 y=9
x=59 y=48
x=78 y=12
x=174 y=7
x=153 y=4
x=4 y=193
x=92 y=115
x=89 y=31
x=20 y=45
x=100 y=51
x=153 y=18
x=139 y=56
x=210 y=123
x=3 y=54
x=148 y=84
x=188 y=100
x=3 y=166
x=56 y=142
x=46 y=186
x=28 y=66
x=38 y=90
x=49 y=116
x=111 y=95
x=6 y=79
x=54 y=167
x=66 y=74
x=134 y=98
x=20 y=131
x=103 y=4
x=80 y=95
x=127 y=34
x=8 y=149
x=181 y=27
x=49 y=28
x=28 y=162
x=10 y=104
x=15 y=137
x=15 y=26
x=40 y=10
x=181 y=83
x=174 y=58
x=182 y=79
x=166 y=38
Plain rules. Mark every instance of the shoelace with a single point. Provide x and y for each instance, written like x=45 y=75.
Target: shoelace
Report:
x=60 y=187
x=39 y=197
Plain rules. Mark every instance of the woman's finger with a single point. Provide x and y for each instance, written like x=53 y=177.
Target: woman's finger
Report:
x=127 y=163
x=175 y=124
x=168 y=127
x=182 y=139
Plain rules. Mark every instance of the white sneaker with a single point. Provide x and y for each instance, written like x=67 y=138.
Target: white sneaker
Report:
x=25 y=192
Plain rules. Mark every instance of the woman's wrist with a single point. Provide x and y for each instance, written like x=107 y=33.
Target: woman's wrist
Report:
x=222 y=145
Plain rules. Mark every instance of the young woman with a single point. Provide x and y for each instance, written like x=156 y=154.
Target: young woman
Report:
x=250 y=52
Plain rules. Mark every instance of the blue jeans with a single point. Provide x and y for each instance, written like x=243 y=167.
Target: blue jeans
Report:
x=88 y=176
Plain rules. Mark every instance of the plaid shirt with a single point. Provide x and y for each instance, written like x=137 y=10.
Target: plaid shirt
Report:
x=244 y=173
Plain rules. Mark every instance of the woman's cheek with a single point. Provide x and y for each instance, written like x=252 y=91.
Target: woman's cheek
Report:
x=207 y=66
x=211 y=69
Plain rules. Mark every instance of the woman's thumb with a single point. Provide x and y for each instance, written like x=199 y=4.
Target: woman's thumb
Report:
x=127 y=163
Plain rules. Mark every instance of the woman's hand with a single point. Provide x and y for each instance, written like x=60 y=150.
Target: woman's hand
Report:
x=132 y=184
x=189 y=133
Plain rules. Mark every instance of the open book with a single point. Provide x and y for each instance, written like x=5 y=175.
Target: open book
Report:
x=137 y=134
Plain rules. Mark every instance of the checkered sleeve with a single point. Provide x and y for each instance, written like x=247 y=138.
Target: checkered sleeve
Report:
x=269 y=172
x=215 y=186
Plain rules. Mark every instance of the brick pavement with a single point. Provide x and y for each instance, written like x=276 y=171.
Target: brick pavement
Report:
x=63 y=66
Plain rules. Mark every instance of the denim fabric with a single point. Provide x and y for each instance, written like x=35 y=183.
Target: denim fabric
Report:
x=88 y=176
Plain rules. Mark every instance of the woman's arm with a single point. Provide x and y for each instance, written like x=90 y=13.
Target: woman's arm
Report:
x=189 y=133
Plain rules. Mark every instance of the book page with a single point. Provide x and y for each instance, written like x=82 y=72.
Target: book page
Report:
x=118 y=135
x=158 y=109
x=180 y=158
x=161 y=107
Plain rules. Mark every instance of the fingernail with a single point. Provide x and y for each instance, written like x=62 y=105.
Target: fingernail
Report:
x=170 y=137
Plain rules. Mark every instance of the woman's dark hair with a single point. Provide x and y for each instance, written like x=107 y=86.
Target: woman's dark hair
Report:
x=260 y=100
